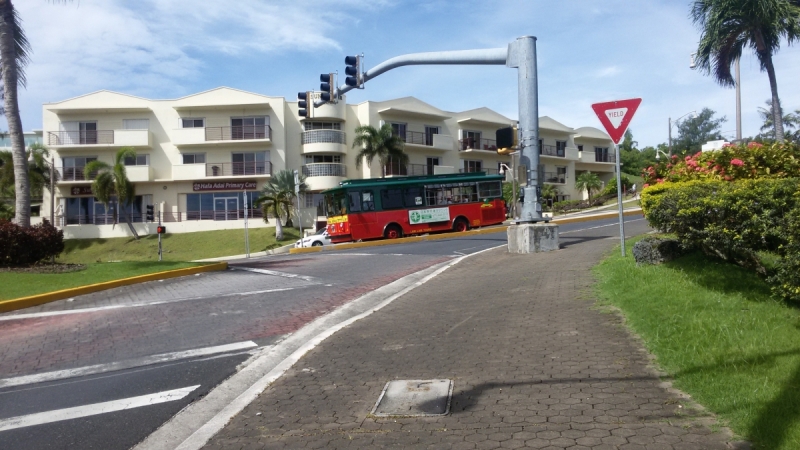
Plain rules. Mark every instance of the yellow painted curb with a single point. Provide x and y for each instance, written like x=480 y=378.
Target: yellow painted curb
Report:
x=40 y=299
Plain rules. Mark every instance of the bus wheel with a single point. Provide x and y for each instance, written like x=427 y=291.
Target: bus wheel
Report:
x=460 y=225
x=393 y=232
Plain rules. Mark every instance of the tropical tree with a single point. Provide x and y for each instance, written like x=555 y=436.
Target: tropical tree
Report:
x=14 y=48
x=791 y=124
x=693 y=132
x=549 y=193
x=112 y=180
x=38 y=171
x=588 y=181
x=272 y=201
x=379 y=143
x=729 y=26
x=283 y=182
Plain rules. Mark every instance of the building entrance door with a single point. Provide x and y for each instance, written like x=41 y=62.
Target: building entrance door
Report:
x=226 y=208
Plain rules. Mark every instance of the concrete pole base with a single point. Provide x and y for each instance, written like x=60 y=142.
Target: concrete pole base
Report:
x=532 y=238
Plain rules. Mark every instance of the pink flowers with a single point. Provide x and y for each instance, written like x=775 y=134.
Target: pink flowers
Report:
x=754 y=145
x=737 y=162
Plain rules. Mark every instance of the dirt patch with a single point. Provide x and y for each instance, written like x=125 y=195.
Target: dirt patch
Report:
x=46 y=268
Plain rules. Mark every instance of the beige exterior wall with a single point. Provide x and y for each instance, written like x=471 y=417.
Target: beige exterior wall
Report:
x=167 y=181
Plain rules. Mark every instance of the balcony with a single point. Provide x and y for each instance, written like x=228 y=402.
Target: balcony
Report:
x=590 y=156
x=555 y=178
x=322 y=176
x=477 y=170
x=99 y=138
x=552 y=150
x=71 y=174
x=239 y=169
x=471 y=144
x=400 y=170
x=139 y=174
x=435 y=141
x=222 y=135
x=323 y=141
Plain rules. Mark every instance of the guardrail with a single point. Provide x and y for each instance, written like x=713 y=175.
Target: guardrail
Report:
x=477 y=144
x=324 y=170
x=238 y=169
x=86 y=137
x=323 y=136
x=238 y=133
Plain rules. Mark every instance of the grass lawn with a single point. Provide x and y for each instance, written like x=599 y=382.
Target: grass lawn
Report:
x=176 y=247
x=15 y=285
x=721 y=337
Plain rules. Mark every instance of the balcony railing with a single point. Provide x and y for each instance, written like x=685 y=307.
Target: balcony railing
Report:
x=418 y=138
x=74 y=174
x=608 y=157
x=394 y=169
x=238 y=133
x=477 y=144
x=551 y=150
x=138 y=217
x=479 y=169
x=238 y=169
x=325 y=170
x=92 y=137
x=323 y=137
x=555 y=178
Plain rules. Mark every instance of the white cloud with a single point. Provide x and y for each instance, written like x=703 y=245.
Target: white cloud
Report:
x=608 y=72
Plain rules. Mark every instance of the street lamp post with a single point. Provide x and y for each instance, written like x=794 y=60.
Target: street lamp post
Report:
x=694 y=116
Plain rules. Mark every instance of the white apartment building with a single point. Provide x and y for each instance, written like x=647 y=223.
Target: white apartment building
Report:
x=202 y=159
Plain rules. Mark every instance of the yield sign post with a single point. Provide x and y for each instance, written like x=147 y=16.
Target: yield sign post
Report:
x=615 y=117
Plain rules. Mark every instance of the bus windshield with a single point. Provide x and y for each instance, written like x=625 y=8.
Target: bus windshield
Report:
x=336 y=203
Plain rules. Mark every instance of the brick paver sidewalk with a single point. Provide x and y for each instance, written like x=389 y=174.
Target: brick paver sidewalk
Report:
x=533 y=365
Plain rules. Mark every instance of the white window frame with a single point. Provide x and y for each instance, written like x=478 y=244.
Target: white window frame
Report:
x=138 y=160
x=194 y=157
x=194 y=120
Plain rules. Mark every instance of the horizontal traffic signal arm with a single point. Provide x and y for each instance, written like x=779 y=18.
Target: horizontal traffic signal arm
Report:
x=489 y=56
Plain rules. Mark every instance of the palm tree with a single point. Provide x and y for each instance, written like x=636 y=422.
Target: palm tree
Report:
x=38 y=172
x=728 y=26
x=273 y=201
x=113 y=180
x=790 y=122
x=381 y=143
x=14 y=48
x=549 y=192
x=588 y=181
x=283 y=182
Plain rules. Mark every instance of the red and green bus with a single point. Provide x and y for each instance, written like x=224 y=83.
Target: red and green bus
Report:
x=391 y=208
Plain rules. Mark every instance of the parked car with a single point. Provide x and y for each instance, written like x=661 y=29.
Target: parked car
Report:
x=315 y=240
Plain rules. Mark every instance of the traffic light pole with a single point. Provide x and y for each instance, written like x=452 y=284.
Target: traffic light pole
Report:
x=520 y=54
x=159 y=235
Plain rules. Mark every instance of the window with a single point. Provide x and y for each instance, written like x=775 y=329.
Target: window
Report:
x=194 y=158
x=367 y=201
x=73 y=167
x=473 y=166
x=391 y=198
x=561 y=147
x=193 y=122
x=308 y=126
x=355 y=201
x=310 y=159
x=580 y=148
x=412 y=197
x=138 y=160
x=393 y=167
x=135 y=124
x=601 y=154
x=249 y=127
x=221 y=206
x=561 y=174
x=471 y=140
x=431 y=163
x=429 y=132
x=249 y=163
x=490 y=189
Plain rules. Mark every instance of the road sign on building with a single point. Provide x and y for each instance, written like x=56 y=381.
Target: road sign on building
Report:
x=616 y=116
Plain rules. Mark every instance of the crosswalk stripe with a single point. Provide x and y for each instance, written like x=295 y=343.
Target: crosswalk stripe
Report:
x=94 y=409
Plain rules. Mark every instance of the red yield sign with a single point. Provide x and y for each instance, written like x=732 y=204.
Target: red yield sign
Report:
x=616 y=116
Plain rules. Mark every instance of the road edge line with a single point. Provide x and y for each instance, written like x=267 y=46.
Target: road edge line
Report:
x=40 y=299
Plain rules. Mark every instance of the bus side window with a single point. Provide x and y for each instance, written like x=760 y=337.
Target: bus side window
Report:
x=412 y=197
x=391 y=198
x=355 y=201
x=367 y=201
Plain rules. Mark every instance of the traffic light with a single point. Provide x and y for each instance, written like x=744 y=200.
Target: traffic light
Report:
x=327 y=87
x=149 y=214
x=506 y=140
x=302 y=104
x=353 y=69
x=161 y=229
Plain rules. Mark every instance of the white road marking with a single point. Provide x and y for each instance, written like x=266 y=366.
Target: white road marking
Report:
x=92 y=410
x=135 y=305
x=126 y=364
x=615 y=224
x=278 y=274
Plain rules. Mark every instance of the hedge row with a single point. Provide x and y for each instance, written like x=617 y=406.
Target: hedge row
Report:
x=26 y=246
x=734 y=221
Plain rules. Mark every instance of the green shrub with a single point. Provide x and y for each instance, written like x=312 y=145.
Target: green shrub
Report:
x=611 y=187
x=786 y=282
x=25 y=246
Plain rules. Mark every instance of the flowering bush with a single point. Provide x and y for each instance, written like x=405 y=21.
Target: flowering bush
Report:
x=732 y=162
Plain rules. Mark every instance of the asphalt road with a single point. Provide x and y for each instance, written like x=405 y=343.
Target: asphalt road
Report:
x=105 y=370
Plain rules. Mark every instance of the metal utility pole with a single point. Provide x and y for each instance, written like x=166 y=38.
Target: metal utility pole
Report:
x=297 y=194
x=738 y=102
x=159 y=234
x=246 y=231
x=520 y=54
x=619 y=201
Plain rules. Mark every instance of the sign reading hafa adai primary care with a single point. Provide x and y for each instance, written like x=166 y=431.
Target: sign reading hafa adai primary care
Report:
x=225 y=186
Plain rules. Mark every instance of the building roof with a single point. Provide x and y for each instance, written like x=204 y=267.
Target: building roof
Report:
x=549 y=124
x=591 y=133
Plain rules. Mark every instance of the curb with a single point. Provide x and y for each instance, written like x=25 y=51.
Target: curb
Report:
x=40 y=299
x=448 y=235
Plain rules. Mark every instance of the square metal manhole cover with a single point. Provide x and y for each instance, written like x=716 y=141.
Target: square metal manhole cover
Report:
x=414 y=398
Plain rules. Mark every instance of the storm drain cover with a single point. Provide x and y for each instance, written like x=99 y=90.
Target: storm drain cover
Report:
x=414 y=398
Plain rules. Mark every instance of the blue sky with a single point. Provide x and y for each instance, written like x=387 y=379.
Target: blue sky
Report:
x=588 y=52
